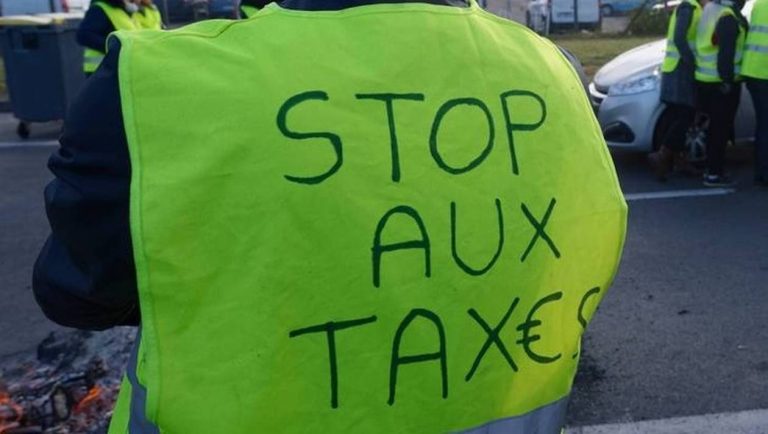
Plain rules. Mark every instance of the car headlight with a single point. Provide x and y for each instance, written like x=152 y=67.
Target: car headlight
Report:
x=643 y=83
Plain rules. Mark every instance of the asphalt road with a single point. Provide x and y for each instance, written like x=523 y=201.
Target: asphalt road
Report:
x=683 y=331
x=23 y=228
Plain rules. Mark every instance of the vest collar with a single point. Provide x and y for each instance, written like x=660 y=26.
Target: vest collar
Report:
x=335 y=5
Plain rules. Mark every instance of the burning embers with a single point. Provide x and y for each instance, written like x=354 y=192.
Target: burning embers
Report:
x=10 y=413
x=43 y=402
x=67 y=388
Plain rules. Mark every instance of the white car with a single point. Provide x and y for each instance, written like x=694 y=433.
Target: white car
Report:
x=545 y=15
x=625 y=92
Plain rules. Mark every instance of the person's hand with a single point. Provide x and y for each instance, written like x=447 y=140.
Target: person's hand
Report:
x=726 y=88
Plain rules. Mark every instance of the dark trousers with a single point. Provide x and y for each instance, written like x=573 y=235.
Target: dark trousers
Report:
x=720 y=108
x=759 y=91
x=682 y=117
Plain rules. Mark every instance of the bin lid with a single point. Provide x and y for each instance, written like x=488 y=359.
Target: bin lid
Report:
x=40 y=19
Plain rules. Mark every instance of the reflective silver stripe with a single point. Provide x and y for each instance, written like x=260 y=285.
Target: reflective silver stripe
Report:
x=544 y=420
x=714 y=73
x=757 y=48
x=137 y=421
x=707 y=71
x=672 y=48
x=758 y=29
x=713 y=57
x=673 y=54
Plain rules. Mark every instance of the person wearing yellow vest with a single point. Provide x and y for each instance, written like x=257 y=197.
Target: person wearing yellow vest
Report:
x=148 y=16
x=755 y=70
x=102 y=18
x=387 y=230
x=678 y=86
x=719 y=52
x=249 y=8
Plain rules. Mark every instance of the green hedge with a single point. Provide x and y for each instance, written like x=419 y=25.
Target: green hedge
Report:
x=649 y=22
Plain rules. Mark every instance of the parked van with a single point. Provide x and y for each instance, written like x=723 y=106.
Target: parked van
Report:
x=566 y=14
x=31 y=7
x=537 y=16
x=620 y=7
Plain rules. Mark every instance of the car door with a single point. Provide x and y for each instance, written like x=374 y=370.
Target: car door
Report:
x=589 y=11
x=563 y=11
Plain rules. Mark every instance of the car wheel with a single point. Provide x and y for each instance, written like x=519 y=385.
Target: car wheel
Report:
x=606 y=10
x=695 y=139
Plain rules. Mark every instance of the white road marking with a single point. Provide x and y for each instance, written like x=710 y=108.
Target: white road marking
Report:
x=673 y=194
x=653 y=195
x=29 y=143
x=742 y=422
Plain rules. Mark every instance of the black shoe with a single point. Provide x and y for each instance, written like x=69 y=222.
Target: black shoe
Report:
x=662 y=162
x=718 y=181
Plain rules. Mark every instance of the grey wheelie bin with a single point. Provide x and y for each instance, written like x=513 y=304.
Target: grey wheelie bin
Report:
x=43 y=66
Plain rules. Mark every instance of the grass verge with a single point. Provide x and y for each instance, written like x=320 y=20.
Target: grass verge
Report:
x=594 y=51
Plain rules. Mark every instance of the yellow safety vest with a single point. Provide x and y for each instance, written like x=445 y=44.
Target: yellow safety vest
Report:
x=707 y=51
x=755 y=63
x=403 y=222
x=248 y=11
x=148 y=17
x=672 y=57
x=120 y=20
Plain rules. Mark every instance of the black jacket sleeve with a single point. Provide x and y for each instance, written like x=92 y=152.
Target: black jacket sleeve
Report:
x=726 y=34
x=683 y=20
x=256 y=3
x=85 y=276
x=94 y=29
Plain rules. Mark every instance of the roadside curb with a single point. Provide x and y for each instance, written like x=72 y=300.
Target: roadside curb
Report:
x=743 y=422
